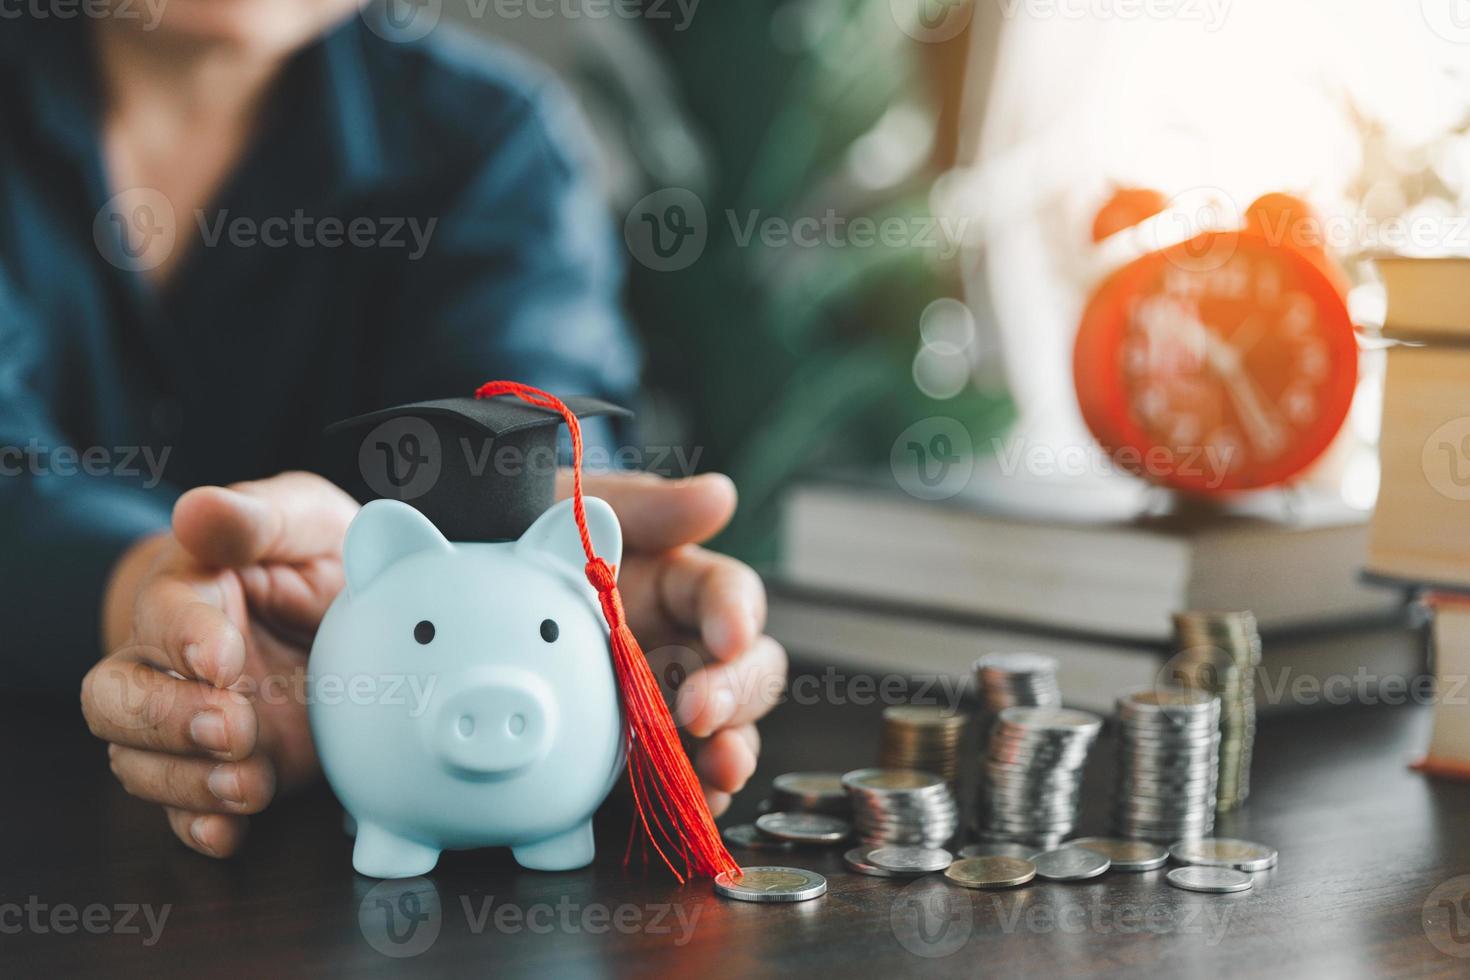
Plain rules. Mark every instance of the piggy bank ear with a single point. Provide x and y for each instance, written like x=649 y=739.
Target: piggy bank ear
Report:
x=554 y=536
x=382 y=533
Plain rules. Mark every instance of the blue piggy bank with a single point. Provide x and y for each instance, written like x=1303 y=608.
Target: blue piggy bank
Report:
x=462 y=695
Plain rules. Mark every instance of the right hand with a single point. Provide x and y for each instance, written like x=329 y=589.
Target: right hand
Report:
x=202 y=699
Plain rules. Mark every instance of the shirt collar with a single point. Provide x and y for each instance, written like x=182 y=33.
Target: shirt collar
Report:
x=59 y=70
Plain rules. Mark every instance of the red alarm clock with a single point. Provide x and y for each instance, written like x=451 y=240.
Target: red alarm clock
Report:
x=1223 y=363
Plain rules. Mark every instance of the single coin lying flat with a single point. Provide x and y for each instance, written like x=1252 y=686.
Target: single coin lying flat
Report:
x=1200 y=878
x=1125 y=855
x=1224 y=852
x=992 y=871
x=1070 y=864
x=771 y=884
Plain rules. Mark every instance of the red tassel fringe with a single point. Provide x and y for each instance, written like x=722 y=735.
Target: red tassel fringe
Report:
x=666 y=794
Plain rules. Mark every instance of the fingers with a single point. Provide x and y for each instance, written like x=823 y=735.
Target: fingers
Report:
x=658 y=514
x=179 y=622
x=724 y=599
x=211 y=834
x=287 y=518
x=727 y=761
x=198 y=785
x=734 y=693
x=717 y=800
x=129 y=702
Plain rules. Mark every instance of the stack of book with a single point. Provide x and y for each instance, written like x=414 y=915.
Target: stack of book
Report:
x=1086 y=571
x=1421 y=529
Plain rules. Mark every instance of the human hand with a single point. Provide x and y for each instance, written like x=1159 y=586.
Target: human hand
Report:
x=202 y=697
x=679 y=595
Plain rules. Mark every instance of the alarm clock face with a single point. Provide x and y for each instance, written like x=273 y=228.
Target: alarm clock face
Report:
x=1220 y=364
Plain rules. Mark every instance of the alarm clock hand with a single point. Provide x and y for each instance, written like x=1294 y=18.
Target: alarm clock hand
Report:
x=1263 y=429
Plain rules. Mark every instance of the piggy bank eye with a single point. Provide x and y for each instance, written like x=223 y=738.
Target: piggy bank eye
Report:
x=549 y=630
x=424 y=631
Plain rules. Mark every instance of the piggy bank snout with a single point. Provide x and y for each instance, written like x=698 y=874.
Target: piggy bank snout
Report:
x=496 y=721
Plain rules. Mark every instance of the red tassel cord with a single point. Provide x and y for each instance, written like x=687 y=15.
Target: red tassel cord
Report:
x=666 y=794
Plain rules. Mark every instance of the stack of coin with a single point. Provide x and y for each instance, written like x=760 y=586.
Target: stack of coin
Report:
x=1219 y=653
x=1005 y=680
x=901 y=806
x=924 y=738
x=810 y=792
x=1168 y=756
x=1032 y=777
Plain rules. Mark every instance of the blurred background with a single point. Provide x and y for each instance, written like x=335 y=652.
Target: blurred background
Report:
x=982 y=137
x=861 y=237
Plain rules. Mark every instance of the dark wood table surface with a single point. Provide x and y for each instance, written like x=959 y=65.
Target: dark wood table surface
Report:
x=1365 y=845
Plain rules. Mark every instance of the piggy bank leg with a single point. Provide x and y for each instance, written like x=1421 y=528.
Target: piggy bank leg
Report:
x=379 y=854
x=573 y=849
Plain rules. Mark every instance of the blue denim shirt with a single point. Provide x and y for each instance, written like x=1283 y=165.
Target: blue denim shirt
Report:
x=481 y=250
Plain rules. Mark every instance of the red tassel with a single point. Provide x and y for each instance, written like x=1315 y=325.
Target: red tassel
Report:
x=666 y=794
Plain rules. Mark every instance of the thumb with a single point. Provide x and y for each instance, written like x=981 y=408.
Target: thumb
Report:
x=658 y=514
x=293 y=517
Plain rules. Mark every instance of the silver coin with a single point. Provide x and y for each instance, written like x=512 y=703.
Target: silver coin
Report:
x=1125 y=855
x=1198 y=878
x=857 y=860
x=997 y=848
x=746 y=835
x=804 y=828
x=1070 y=864
x=771 y=884
x=1224 y=852
x=911 y=860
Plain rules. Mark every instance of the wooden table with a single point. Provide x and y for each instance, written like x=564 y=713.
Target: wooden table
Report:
x=1363 y=843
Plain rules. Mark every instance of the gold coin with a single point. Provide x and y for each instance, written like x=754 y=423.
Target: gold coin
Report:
x=995 y=871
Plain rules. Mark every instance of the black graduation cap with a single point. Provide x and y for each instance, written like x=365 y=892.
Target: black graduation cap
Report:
x=482 y=469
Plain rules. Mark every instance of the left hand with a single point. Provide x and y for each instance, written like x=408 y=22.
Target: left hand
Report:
x=677 y=593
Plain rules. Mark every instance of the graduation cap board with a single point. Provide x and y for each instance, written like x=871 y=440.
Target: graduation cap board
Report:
x=482 y=469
